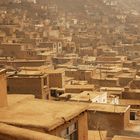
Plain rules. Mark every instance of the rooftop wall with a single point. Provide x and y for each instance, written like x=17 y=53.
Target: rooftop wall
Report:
x=3 y=89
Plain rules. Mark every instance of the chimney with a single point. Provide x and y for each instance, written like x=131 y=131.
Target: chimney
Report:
x=3 y=88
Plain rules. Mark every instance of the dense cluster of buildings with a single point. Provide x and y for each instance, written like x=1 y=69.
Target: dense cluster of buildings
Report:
x=69 y=70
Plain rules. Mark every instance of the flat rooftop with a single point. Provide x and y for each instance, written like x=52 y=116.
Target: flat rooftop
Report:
x=49 y=71
x=40 y=113
x=40 y=71
x=105 y=79
x=29 y=72
x=25 y=61
x=79 y=86
x=17 y=98
x=96 y=135
x=112 y=88
x=133 y=91
x=125 y=138
x=85 y=96
x=108 y=108
x=129 y=102
x=43 y=67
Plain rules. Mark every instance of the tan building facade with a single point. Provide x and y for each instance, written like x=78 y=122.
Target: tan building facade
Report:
x=111 y=118
x=36 y=84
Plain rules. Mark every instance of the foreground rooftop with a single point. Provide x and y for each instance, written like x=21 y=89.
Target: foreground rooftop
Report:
x=37 y=113
x=125 y=138
x=9 y=132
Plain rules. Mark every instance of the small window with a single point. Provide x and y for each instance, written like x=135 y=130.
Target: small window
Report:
x=45 y=81
x=70 y=133
x=8 y=88
x=54 y=93
x=136 y=53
